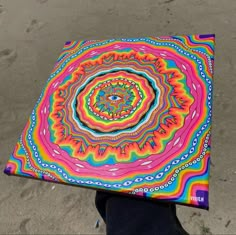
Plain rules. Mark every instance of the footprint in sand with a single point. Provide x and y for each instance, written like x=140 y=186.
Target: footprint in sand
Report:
x=34 y=25
x=27 y=193
x=7 y=57
x=22 y=227
x=2 y=11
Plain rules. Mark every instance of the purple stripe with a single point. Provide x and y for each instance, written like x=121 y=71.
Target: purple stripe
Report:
x=207 y=36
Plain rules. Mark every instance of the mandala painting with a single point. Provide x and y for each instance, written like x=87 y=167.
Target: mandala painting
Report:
x=125 y=115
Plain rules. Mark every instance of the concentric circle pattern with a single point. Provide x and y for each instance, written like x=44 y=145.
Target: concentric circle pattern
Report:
x=115 y=101
x=127 y=115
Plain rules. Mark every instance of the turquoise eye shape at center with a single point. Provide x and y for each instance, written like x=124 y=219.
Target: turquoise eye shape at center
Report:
x=114 y=97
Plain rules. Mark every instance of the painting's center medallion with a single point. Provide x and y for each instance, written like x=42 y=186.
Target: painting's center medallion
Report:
x=114 y=101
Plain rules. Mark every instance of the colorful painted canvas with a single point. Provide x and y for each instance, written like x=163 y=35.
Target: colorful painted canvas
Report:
x=125 y=115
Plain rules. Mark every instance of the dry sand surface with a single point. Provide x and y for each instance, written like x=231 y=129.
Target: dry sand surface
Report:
x=32 y=33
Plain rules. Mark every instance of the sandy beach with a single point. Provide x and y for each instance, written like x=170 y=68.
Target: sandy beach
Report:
x=32 y=34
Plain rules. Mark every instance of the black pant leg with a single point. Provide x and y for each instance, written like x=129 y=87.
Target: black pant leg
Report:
x=131 y=216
